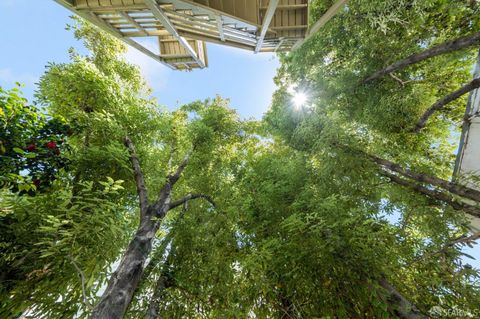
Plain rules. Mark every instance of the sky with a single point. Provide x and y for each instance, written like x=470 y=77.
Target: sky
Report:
x=33 y=34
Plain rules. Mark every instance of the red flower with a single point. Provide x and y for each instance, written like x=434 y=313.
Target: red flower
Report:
x=31 y=147
x=36 y=182
x=51 y=145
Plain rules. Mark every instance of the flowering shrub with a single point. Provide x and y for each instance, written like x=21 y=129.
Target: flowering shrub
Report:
x=32 y=144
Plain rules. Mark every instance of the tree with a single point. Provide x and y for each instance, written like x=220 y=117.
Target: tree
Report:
x=349 y=128
x=332 y=209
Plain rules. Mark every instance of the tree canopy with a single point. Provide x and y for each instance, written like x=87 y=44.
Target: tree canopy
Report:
x=342 y=207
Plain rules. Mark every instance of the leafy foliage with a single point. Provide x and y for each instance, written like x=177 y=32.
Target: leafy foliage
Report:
x=305 y=225
x=45 y=238
x=32 y=145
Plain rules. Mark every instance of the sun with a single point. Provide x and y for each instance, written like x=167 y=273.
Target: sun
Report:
x=299 y=99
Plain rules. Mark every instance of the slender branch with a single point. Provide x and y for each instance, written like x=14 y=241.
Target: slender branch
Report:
x=170 y=159
x=82 y=278
x=185 y=199
x=446 y=198
x=139 y=178
x=444 y=101
x=466 y=239
x=459 y=240
x=396 y=78
x=453 y=188
x=443 y=48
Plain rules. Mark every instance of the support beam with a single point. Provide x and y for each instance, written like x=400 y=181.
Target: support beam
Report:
x=112 y=31
x=279 y=44
x=331 y=12
x=272 y=5
x=160 y=15
x=290 y=27
x=133 y=22
x=220 y=27
x=288 y=7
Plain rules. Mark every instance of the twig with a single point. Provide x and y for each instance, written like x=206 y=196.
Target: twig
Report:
x=82 y=277
x=460 y=240
x=399 y=80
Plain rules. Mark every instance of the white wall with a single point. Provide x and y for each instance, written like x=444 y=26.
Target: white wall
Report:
x=468 y=157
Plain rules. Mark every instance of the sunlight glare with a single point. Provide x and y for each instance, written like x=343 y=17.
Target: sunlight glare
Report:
x=299 y=99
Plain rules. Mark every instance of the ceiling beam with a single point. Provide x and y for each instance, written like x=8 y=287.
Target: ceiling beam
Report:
x=272 y=5
x=133 y=22
x=288 y=7
x=160 y=15
x=220 y=27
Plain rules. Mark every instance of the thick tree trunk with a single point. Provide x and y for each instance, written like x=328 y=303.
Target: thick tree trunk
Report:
x=444 y=101
x=399 y=305
x=125 y=279
x=123 y=283
x=430 y=53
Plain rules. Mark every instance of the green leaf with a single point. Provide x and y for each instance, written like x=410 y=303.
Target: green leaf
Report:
x=18 y=150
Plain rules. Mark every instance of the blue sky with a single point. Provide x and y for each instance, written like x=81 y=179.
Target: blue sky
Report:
x=36 y=35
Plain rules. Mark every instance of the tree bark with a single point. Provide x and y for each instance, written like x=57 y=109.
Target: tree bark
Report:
x=399 y=305
x=124 y=281
x=452 y=187
x=139 y=179
x=444 y=101
x=163 y=283
x=441 y=196
x=440 y=49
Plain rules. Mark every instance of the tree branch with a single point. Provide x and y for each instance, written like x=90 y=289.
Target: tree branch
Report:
x=443 y=48
x=459 y=240
x=82 y=278
x=190 y=197
x=162 y=205
x=453 y=188
x=446 y=198
x=444 y=101
x=173 y=178
x=399 y=305
x=396 y=78
x=139 y=178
